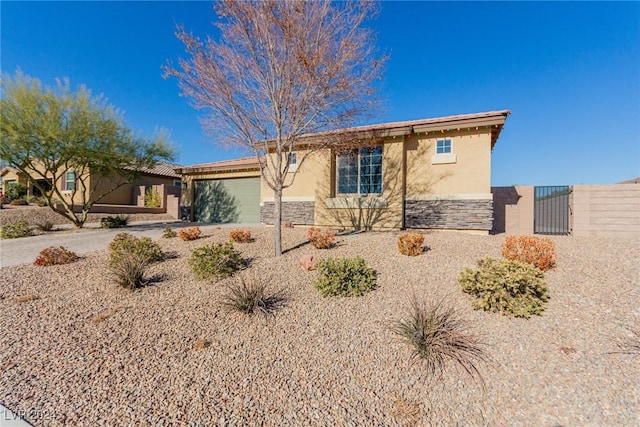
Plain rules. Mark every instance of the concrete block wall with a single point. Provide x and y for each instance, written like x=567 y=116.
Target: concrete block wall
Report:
x=606 y=210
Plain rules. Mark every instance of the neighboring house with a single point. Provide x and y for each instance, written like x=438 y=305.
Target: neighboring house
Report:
x=430 y=173
x=127 y=194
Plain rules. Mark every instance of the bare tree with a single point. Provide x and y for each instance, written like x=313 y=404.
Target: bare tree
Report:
x=279 y=70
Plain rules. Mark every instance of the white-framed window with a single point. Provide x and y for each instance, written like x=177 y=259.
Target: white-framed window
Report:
x=292 y=158
x=69 y=181
x=444 y=146
x=359 y=171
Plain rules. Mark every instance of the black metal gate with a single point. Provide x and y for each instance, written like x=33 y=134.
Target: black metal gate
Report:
x=551 y=210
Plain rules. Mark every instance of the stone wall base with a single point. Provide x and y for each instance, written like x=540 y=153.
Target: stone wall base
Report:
x=449 y=214
x=295 y=212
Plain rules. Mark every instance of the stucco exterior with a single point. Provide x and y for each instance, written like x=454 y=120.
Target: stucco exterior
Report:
x=420 y=187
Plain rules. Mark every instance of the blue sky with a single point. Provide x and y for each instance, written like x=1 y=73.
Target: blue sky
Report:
x=569 y=72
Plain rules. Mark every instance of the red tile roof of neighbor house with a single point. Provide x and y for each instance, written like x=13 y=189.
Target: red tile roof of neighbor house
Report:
x=490 y=119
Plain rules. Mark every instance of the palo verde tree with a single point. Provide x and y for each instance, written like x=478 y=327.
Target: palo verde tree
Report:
x=53 y=135
x=277 y=71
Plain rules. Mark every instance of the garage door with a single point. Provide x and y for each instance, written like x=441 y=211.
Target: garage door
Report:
x=227 y=200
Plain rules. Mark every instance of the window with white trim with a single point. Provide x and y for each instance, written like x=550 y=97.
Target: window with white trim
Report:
x=359 y=171
x=443 y=146
x=69 y=181
x=292 y=159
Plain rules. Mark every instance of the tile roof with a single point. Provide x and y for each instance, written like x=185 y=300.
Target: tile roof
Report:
x=234 y=164
x=162 y=169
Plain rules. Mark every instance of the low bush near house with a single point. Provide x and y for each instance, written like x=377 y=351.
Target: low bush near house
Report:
x=410 y=243
x=114 y=221
x=538 y=251
x=240 y=236
x=44 y=226
x=152 y=198
x=15 y=230
x=510 y=287
x=16 y=190
x=19 y=202
x=344 y=277
x=168 y=233
x=55 y=256
x=190 y=233
x=439 y=336
x=251 y=297
x=321 y=239
x=40 y=202
x=141 y=247
x=215 y=261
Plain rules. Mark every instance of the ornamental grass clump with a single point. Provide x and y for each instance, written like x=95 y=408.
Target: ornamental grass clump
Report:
x=410 y=243
x=538 y=251
x=344 y=277
x=130 y=258
x=55 y=256
x=215 y=261
x=510 y=287
x=438 y=337
x=321 y=239
x=168 y=233
x=15 y=230
x=240 y=236
x=189 y=233
x=251 y=297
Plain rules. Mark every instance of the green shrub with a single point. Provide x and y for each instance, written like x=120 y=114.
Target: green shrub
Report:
x=114 y=221
x=40 y=201
x=251 y=297
x=344 y=277
x=168 y=233
x=217 y=260
x=152 y=198
x=17 y=229
x=141 y=247
x=16 y=190
x=55 y=256
x=438 y=336
x=19 y=202
x=508 y=286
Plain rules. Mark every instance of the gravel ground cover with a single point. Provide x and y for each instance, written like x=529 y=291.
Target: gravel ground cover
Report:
x=76 y=349
x=35 y=215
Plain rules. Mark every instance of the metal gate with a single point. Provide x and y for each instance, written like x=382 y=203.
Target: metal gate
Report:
x=551 y=210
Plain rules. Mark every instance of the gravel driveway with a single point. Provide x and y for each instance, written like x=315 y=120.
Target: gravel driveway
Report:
x=318 y=361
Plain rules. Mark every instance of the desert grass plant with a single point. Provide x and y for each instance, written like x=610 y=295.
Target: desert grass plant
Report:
x=189 y=233
x=629 y=344
x=251 y=297
x=45 y=226
x=344 y=277
x=321 y=239
x=117 y=221
x=152 y=198
x=19 y=202
x=15 y=230
x=510 y=287
x=240 y=236
x=215 y=261
x=410 y=243
x=169 y=233
x=538 y=251
x=55 y=256
x=130 y=270
x=439 y=336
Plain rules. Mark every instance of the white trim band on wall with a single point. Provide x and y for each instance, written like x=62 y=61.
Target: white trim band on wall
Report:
x=290 y=199
x=460 y=196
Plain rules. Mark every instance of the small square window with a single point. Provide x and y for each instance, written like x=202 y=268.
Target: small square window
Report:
x=443 y=146
x=292 y=159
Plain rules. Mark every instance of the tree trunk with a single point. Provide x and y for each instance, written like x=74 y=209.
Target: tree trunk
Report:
x=277 y=221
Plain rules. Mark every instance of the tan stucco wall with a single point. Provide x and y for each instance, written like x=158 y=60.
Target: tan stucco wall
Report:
x=606 y=210
x=513 y=209
x=470 y=174
x=124 y=194
x=305 y=179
